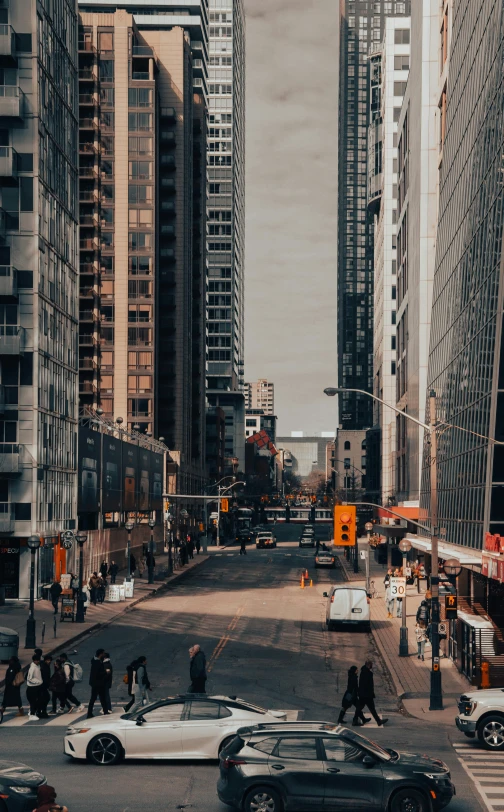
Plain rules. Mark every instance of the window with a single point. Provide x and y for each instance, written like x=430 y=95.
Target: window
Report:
x=341 y=750
x=140 y=170
x=165 y=713
x=265 y=745
x=140 y=97
x=139 y=121
x=402 y=36
x=347 y=445
x=298 y=748
x=106 y=70
x=140 y=194
x=106 y=41
x=399 y=88
x=203 y=710
x=401 y=62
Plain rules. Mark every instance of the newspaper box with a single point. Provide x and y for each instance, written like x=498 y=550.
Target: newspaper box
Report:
x=129 y=587
x=122 y=596
x=113 y=593
x=67 y=605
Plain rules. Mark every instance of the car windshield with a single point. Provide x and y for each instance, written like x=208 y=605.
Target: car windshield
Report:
x=369 y=744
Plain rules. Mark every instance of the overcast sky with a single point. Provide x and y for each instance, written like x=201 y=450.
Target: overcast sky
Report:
x=291 y=206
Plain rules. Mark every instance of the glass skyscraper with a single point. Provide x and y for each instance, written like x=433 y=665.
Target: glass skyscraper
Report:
x=362 y=25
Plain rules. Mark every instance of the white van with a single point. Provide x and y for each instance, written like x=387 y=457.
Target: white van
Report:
x=347 y=604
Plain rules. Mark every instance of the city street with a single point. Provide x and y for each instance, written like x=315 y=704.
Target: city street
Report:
x=265 y=640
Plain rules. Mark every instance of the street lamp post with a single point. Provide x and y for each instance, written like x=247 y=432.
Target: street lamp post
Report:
x=220 y=491
x=405 y=547
x=150 y=567
x=30 y=641
x=368 y=527
x=129 y=527
x=436 y=690
x=81 y=539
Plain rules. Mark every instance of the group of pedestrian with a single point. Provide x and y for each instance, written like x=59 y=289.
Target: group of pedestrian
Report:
x=97 y=588
x=42 y=684
x=360 y=693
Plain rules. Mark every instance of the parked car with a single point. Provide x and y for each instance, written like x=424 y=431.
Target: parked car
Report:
x=325 y=558
x=349 y=605
x=481 y=714
x=18 y=786
x=193 y=726
x=265 y=539
x=318 y=766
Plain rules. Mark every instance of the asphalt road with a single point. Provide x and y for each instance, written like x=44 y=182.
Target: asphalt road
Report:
x=265 y=640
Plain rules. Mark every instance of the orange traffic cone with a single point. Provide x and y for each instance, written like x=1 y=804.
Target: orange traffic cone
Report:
x=306 y=574
x=302 y=582
x=311 y=582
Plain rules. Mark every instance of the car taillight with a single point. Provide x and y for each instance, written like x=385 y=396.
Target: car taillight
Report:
x=232 y=762
x=368 y=599
x=332 y=598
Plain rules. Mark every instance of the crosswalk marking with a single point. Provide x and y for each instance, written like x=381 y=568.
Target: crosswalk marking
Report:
x=484 y=768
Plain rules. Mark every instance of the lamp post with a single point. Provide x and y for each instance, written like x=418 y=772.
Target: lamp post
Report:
x=150 y=567
x=368 y=527
x=30 y=642
x=81 y=539
x=222 y=490
x=129 y=527
x=405 y=547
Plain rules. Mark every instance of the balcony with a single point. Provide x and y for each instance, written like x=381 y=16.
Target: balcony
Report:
x=88 y=172
x=87 y=364
x=7 y=45
x=6 y=517
x=88 y=220
x=168 y=231
x=9 y=458
x=168 y=207
x=88 y=124
x=88 y=293
x=87 y=316
x=88 y=196
x=12 y=339
x=11 y=101
x=88 y=100
x=87 y=75
x=87 y=388
x=8 y=163
x=87 y=269
x=167 y=161
x=88 y=244
x=197 y=46
x=143 y=75
x=8 y=281
x=143 y=50
x=167 y=137
x=168 y=185
x=168 y=113
x=167 y=254
x=88 y=148
x=87 y=341
x=86 y=47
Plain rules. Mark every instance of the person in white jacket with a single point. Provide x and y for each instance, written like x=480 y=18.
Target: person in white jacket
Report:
x=34 y=686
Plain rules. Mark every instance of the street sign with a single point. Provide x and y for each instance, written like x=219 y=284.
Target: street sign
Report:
x=398 y=587
x=67 y=543
x=451 y=606
x=442 y=629
x=363 y=554
x=68 y=534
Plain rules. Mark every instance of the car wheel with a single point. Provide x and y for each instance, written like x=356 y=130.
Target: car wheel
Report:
x=491 y=732
x=409 y=800
x=262 y=799
x=225 y=743
x=104 y=750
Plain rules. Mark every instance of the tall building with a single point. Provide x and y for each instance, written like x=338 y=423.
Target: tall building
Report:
x=260 y=395
x=418 y=152
x=38 y=282
x=389 y=66
x=226 y=218
x=143 y=268
x=362 y=24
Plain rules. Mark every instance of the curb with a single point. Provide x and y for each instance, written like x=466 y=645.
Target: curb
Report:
x=103 y=624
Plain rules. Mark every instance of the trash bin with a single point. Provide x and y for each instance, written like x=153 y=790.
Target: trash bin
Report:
x=128 y=588
x=9 y=644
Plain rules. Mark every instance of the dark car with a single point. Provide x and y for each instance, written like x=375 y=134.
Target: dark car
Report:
x=318 y=766
x=244 y=535
x=18 y=786
x=307 y=541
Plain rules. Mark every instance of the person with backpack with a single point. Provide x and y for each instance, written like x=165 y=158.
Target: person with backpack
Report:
x=57 y=686
x=33 y=687
x=97 y=678
x=109 y=673
x=73 y=674
x=14 y=678
x=423 y=613
x=140 y=684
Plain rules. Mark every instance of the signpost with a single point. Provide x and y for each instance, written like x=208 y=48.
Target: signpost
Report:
x=398 y=587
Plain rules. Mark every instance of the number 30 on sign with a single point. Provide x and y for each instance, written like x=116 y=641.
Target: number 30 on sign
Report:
x=398 y=587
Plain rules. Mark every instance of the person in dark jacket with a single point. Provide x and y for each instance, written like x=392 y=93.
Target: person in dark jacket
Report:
x=131 y=672
x=46 y=800
x=423 y=613
x=114 y=569
x=44 y=696
x=55 y=591
x=109 y=673
x=351 y=697
x=367 y=695
x=198 y=544
x=190 y=547
x=97 y=679
x=103 y=569
x=197 y=670
x=133 y=564
x=12 y=693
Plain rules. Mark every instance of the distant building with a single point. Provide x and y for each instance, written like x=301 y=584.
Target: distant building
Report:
x=257 y=419
x=305 y=454
x=260 y=395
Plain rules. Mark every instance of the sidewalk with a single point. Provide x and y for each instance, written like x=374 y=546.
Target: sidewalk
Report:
x=14 y=614
x=410 y=676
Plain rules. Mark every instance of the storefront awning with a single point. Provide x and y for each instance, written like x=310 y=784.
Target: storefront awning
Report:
x=468 y=558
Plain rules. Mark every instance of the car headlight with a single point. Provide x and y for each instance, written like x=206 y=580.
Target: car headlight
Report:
x=72 y=730
x=21 y=790
x=471 y=708
x=440 y=778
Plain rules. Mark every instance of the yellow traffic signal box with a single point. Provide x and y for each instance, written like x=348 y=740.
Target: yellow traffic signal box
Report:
x=224 y=505
x=451 y=606
x=345 y=525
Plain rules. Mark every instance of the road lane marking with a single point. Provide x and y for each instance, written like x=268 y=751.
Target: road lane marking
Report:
x=224 y=639
x=485 y=771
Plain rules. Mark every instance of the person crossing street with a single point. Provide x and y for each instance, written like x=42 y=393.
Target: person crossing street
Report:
x=367 y=695
x=197 y=670
x=97 y=680
x=34 y=687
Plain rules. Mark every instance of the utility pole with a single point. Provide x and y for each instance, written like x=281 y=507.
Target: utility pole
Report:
x=436 y=691
x=218 y=514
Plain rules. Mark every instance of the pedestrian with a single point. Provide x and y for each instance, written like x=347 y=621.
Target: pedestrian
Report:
x=133 y=564
x=131 y=680
x=97 y=678
x=44 y=696
x=68 y=669
x=114 y=569
x=399 y=607
x=197 y=670
x=423 y=613
x=33 y=687
x=93 y=588
x=351 y=697
x=183 y=553
x=367 y=695
x=141 y=684
x=101 y=589
x=103 y=569
x=150 y=560
x=389 y=601
x=75 y=585
x=190 y=547
x=198 y=544
x=46 y=800
x=421 y=638
x=387 y=578
x=57 y=686
x=55 y=591
x=109 y=672
x=14 y=678
x=243 y=548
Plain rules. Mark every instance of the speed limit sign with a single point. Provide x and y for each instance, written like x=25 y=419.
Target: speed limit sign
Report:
x=398 y=587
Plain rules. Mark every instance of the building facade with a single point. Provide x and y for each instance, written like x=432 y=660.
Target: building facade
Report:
x=389 y=67
x=226 y=217
x=362 y=24
x=418 y=153
x=304 y=455
x=38 y=282
x=260 y=395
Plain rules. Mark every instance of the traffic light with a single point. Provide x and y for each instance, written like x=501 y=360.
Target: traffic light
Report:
x=345 y=525
x=313 y=497
x=224 y=505
x=451 y=606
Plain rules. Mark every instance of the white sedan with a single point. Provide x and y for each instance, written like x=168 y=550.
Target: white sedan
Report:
x=190 y=726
